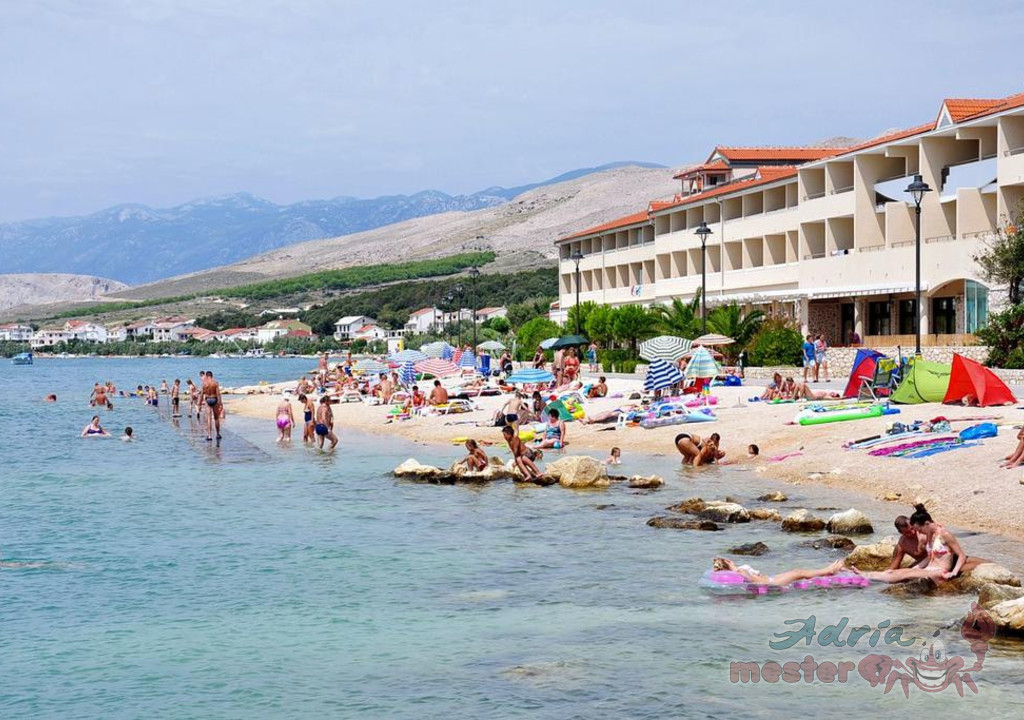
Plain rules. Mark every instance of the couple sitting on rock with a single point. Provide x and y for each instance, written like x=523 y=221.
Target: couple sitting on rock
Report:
x=937 y=552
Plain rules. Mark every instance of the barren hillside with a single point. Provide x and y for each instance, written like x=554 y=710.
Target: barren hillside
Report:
x=522 y=232
x=40 y=288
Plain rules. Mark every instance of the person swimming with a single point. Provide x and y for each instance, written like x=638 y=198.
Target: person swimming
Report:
x=129 y=434
x=94 y=429
x=614 y=457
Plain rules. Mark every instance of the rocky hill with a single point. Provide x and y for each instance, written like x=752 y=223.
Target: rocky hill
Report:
x=39 y=289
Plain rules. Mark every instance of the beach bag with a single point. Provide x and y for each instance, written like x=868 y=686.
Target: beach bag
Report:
x=981 y=430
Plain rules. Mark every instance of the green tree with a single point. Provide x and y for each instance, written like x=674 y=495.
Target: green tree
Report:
x=600 y=325
x=532 y=333
x=500 y=325
x=678 y=318
x=521 y=313
x=584 y=309
x=1002 y=261
x=777 y=342
x=633 y=323
x=731 y=321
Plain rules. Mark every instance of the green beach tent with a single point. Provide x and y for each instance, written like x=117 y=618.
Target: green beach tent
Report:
x=925 y=382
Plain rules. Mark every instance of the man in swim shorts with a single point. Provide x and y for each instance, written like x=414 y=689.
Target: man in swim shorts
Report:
x=324 y=427
x=214 y=403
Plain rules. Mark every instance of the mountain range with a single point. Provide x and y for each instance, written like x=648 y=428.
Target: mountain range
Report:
x=137 y=244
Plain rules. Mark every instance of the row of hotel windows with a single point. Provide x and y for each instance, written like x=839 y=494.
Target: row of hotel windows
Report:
x=942 y=320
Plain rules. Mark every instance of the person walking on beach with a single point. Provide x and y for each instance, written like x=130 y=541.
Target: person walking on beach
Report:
x=176 y=398
x=512 y=410
x=324 y=427
x=308 y=410
x=214 y=403
x=285 y=421
x=821 y=356
x=808 y=353
x=592 y=357
x=538 y=358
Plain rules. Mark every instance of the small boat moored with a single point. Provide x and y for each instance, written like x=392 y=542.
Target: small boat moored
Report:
x=22 y=359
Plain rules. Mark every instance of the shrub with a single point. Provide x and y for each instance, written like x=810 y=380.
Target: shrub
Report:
x=777 y=342
x=532 y=333
x=1004 y=336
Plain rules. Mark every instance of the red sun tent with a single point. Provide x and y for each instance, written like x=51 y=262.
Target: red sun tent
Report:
x=863 y=367
x=972 y=378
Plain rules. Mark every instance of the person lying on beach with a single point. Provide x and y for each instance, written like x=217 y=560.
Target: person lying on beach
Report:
x=520 y=454
x=554 y=432
x=94 y=429
x=782 y=578
x=476 y=460
x=1016 y=458
x=614 y=457
x=771 y=392
x=599 y=390
x=438 y=396
x=803 y=391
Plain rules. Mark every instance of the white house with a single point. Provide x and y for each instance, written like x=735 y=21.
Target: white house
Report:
x=489 y=313
x=85 y=331
x=170 y=329
x=370 y=332
x=49 y=337
x=117 y=333
x=141 y=330
x=424 y=320
x=237 y=334
x=278 y=328
x=16 y=332
x=346 y=327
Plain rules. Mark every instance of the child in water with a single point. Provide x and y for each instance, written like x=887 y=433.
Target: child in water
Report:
x=614 y=458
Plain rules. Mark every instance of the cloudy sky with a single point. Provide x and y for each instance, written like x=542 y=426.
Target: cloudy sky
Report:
x=162 y=101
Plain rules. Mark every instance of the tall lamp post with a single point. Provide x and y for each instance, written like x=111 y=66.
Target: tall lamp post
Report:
x=473 y=273
x=576 y=257
x=457 y=292
x=917 y=189
x=703 y=231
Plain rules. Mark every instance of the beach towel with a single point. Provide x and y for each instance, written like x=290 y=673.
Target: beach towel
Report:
x=981 y=430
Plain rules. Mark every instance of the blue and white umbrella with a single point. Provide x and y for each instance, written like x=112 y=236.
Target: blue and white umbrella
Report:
x=437 y=349
x=405 y=356
x=407 y=375
x=447 y=352
x=702 y=365
x=546 y=344
x=530 y=376
x=662 y=374
x=370 y=366
x=467 y=360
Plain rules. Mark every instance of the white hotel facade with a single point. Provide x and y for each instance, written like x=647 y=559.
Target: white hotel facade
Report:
x=826 y=235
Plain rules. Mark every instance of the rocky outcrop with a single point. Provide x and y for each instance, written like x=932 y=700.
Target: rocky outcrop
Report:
x=875 y=556
x=969 y=581
x=765 y=514
x=851 y=522
x=413 y=469
x=416 y=471
x=646 y=482
x=1008 y=617
x=690 y=506
x=579 y=471
x=992 y=594
x=678 y=523
x=832 y=542
x=724 y=512
x=802 y=521
x=755 y=548
x=774 y=497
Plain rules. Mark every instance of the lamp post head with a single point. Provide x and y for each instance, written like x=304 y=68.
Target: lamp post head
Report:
x=703 y=231
x=917 y=189
x=576 y=256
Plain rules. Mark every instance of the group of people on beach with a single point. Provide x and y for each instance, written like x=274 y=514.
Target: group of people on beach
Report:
x=815 y=357
x=791 y=390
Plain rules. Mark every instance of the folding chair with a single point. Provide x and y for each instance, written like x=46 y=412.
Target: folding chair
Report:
x=883 y=383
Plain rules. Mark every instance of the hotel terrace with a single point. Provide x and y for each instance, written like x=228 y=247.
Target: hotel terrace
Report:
x=826 y=235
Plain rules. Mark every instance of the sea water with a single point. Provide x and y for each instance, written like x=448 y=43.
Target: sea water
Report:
x=174 y=578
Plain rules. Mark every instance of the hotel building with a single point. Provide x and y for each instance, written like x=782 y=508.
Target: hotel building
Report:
x=826 y=235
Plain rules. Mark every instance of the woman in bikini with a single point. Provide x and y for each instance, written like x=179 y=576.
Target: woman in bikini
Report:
x=782 y=578
x=94 y=429
x=943 y=557
x=285 y=421
x=476 y=460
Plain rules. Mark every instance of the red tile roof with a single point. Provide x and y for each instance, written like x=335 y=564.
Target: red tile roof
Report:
x=778 y=154
x=718 y=164
x=1007 y=103
x=764 y=176
x=962 y=108
x=887 y=138
x=634 y=219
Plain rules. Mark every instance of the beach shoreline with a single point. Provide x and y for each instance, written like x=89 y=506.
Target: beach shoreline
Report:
x=964 y=487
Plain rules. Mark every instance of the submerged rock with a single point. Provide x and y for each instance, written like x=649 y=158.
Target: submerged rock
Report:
x=851 y=522
x=833 y=542
x=992 y=594
x=802 y=521
x=755 y=548
x=646 y=482
x=724 y=512
x=678 y=523
x=690 y=506
x=774 y=497
x=579 y=471
x=765 y=514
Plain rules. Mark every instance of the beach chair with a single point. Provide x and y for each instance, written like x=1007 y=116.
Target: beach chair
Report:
x=883 y=383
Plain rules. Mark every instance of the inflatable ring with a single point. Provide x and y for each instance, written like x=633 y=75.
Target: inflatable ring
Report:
x=526 y=435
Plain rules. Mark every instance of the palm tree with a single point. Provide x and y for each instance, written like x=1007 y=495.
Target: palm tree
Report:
x=679 y=318
x=731 y=321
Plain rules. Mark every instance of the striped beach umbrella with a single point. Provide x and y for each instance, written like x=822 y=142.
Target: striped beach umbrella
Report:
x=665 y=347
x=491 y=346
x=713 y=339
x=467 y=360
x=405 y=356
x=702 y=365
x=530 y=376
x=407 y=375
x=370 y=366
x=436 y=349
x=437 y=367
x=662 y=374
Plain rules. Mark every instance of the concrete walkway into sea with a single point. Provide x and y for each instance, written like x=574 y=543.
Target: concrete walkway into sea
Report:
x=231 y=448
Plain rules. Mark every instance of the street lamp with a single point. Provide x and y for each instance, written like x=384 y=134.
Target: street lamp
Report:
x=449 y=301
x=457 y=292
x=917 y=189
x=473 y=273
x=576 y=257
x=703 y=231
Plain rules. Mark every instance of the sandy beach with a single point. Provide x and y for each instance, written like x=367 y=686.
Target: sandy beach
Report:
x=965 y=487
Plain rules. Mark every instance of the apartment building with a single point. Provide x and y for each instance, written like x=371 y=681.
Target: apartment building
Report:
x=826 y=235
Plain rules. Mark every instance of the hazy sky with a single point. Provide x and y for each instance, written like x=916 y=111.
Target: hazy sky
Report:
x=163 y=101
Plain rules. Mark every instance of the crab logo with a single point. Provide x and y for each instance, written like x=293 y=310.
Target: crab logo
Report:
x=934 y=670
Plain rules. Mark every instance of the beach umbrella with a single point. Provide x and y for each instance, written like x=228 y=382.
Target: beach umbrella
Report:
x=702 y=365
x=490 y=346
x=546 y=344
x=407 y=375
x=530 y=376
x=713 y=339
x=436 y=349
x=405 y=356
x=467 y=360
x=448 y=353
x=370 y=366
x=714 y=353
x=569 y=341
x=662 y=374
x=437 y=367
x=665 y=347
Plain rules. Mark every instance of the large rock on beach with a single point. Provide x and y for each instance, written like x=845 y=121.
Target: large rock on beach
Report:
x=875 y=556
x=765 y=514
x=413 y=469
x=754 y=548
x=774 y=497
x=678 y=523
x=1008 y=617
x=724 y=512
x=802 y=521
x=690 y=506
x=851 y=522
x=971 y=580
x=992 y=594
x=579 y=471
x=646 y=482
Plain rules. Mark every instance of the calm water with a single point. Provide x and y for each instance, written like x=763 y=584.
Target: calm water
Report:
x=182 y=581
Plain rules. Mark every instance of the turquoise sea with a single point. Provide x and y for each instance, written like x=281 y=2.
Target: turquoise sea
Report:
x=179 y=580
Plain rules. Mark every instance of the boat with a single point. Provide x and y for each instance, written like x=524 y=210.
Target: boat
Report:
x=255 y=353
x=22 y=359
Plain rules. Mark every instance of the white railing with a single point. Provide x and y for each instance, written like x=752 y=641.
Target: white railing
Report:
x=1014 y=151
x=902 y=243
x=844 y=189
x=814 y=196
x=940 y=238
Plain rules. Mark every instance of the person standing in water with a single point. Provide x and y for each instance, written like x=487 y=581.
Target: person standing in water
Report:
x=308 y=410
x=285 y=421
x=176 y=399
x=324 y=427
x=211 y=393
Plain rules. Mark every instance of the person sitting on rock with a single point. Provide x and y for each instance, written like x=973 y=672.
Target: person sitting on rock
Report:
x=520 y=454
x=938 y=553
x=476 y=460
x=782 y=578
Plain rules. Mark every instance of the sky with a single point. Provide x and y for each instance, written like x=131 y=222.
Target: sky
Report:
x=104 y=102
